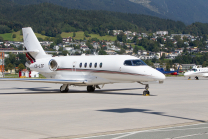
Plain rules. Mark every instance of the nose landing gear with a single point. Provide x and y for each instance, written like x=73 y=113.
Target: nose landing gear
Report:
x=197 y=78
x=146 y=92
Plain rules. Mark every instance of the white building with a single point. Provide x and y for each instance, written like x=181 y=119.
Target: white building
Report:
x=68 y=48
x=162 y=33
x=34 y=74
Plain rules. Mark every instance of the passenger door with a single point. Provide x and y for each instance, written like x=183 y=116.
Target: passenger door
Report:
x=74 y=66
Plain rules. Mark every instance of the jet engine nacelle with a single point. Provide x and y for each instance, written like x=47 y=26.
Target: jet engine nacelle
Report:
x=44 y=65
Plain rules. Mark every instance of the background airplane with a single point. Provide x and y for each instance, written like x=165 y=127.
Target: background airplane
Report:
x=197 y=72
x=168 y=72
x=90 y=71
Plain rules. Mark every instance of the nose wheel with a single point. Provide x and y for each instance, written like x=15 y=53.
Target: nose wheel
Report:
x=64 y=88
x=146 y=91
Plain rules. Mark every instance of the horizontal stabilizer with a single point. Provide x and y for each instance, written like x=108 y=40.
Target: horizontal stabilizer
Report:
x=59 y=81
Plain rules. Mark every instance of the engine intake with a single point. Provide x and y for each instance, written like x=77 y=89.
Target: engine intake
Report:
x=53 y=65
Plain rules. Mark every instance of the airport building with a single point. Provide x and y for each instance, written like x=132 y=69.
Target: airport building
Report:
x=186 y=67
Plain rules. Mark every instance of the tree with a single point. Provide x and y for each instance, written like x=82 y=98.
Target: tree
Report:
x=162 y=57
x=122 y=51
x=60 y=49
x=58 y=39
x=177 y=37
x=52 y=45
x=86 y=34
x=64 y=53
x=102 y=52
x=121 y=37
x=14 y=36
x=40 y=39
x=20 y=47
x=168 y=66
x=21 y=66
x=10 y=66
x=74 y=34
x=204 y=64
x=1 y=39
x=136 y=49
x=111 y=33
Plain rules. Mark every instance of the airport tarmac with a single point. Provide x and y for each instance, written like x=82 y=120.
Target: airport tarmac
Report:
x=176 y=109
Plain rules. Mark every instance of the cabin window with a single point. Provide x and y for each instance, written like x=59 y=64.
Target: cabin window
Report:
x=85 y=65
x=90 y=65
x=101 y=64
x=80 y=65
x=95 y=65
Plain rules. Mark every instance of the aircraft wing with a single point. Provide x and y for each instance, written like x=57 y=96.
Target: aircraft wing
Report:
x=23 y=51
x=59 y=81
x=205 y=75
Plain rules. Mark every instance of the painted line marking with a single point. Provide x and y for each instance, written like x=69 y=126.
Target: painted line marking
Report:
x=159 y=130
x=152 y=130
x=188 y=136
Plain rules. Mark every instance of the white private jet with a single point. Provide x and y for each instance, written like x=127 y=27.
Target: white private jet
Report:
x=197 y=72
x=90 y=71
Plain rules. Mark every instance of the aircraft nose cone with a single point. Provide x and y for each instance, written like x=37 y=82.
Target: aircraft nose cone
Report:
x=186 y=74
x=160 y=76
x=157 y=75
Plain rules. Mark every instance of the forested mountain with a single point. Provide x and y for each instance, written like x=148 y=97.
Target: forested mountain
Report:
x=187 y=11
x=50 y=20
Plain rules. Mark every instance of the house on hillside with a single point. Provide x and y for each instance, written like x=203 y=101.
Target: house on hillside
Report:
x=84 y=48
x=162 y=33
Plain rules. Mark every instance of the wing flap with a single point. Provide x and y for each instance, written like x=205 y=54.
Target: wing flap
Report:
x=61 y=81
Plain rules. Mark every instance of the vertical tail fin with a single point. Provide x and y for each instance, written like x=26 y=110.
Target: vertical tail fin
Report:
x=31 y=43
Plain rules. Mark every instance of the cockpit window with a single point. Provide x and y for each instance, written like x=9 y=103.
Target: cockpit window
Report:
x=194 y=70
x=128 y=63
x=136 y=62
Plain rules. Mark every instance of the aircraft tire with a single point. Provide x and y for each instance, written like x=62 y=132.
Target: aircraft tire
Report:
x=64 y=91
x=146 y=93
x=90 y=89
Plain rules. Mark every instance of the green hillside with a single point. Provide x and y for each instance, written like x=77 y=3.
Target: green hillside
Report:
x=51 y=20
x=7 y=36
x=80 y=35
x=187 y=11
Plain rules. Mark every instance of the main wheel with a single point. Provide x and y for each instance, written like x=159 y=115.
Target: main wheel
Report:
x=64 y=91
x=90 y=88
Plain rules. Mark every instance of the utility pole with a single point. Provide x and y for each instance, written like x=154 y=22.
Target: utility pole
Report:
x=2 y=64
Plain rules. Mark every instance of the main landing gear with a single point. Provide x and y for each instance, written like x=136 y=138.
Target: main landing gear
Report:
x=197 y=78
x=90 y=88
x=146 y=91
x=64 y=88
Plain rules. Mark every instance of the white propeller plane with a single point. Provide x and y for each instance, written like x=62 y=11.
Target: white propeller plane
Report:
x=90 y=71
x=197 y=72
